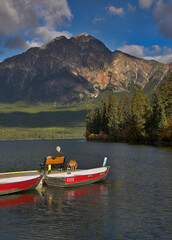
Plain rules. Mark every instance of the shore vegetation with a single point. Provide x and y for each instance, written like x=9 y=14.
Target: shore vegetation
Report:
x=137 y=118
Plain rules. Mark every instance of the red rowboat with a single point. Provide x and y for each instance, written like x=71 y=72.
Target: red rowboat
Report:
x=18 y=181
x=76 y=178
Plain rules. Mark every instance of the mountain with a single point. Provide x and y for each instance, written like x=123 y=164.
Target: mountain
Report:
x=75 y=69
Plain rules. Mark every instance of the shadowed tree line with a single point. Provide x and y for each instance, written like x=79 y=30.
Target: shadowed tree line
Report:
x=135 y=119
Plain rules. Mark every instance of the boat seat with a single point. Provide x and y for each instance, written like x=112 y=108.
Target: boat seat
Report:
x=49 y=161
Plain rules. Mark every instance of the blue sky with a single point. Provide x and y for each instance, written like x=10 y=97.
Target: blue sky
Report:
x=142 y=28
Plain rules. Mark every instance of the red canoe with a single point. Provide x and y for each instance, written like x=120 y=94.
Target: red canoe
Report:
x=16 y=182
x=76 y=178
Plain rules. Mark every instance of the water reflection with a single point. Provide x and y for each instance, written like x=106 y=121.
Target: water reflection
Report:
x=74 y=194
x=18 y=199
x=134 y=202
x=61 y=197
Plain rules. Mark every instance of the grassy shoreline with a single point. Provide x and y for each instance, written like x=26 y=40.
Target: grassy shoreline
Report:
x=41 y=133
x=25 y=121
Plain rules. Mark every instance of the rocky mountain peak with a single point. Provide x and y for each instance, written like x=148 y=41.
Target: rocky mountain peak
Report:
x=75 y=69
x=83 y=36
x=54 y=41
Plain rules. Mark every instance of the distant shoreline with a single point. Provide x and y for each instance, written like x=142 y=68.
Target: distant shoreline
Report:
x=14 y=133
x=146 y=142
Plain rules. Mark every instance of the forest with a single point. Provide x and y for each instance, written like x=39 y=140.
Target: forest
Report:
x=137 y=118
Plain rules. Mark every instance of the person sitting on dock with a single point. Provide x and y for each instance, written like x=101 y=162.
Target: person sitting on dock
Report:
x=51 y=161
x=58 y=153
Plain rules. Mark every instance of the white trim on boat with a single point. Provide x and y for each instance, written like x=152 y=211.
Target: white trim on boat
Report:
x=17 y=179
x=78 y=172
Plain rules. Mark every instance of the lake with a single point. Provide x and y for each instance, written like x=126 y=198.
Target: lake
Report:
x=134 y=202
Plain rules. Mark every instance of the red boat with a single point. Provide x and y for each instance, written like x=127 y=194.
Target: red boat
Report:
x=76 y=178
x=19 y=181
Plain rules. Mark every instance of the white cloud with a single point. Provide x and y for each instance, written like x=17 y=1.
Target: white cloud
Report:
x=163 y=17
x=47 y=34
x=115 y=11
x=44 y=34
x=145 y=3
x=34 y=43
x=166 y=58
x=134 y=50
x=155 y=52
x=39 y=17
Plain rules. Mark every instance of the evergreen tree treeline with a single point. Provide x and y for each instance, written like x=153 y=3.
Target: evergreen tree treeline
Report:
x=134 y=119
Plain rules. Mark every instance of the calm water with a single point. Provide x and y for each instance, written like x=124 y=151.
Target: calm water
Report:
x=135 y=201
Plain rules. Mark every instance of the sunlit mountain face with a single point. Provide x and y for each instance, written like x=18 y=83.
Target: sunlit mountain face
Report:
x=67 y=70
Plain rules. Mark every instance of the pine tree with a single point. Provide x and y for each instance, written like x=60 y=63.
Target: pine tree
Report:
x=121 y=114
x=148 y=116
x=135 y=118
x=104 y=118
x=127 y=110
x=125 y=123
x=113 y=123
x=90 y=118
x=97 y=122
x=138 y=120
x=165 y=91
x=157 y=119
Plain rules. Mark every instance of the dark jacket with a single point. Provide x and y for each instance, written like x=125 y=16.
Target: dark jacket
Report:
x=57 y=154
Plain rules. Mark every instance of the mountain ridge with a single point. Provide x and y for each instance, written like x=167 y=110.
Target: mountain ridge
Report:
x=67 y=70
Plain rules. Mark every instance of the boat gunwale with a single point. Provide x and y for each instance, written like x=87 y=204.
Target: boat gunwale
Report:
x=72 y=174
x=32 y=177
x=61 y=181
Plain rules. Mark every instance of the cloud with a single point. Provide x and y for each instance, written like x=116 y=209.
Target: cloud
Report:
x=167 y=50
x=16 y=15
x=115 y=11
x=34 y=43
x=46 y=34
x=54 y=12
x=163 y=17
x=134 y=50
x=40 y=17
x=16 y=42
x=155 y=52
x=156 y=49
x=145 y=3
x=166 y=58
